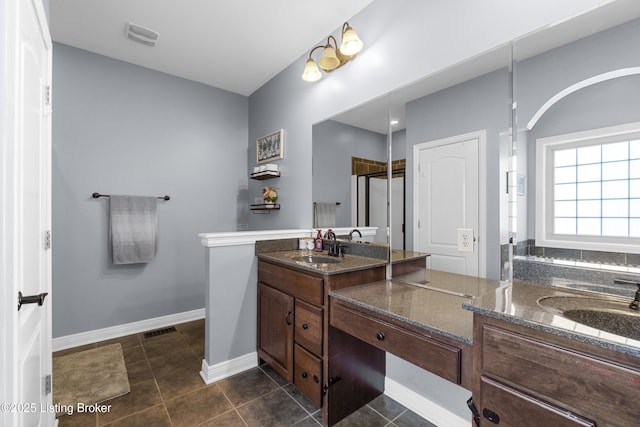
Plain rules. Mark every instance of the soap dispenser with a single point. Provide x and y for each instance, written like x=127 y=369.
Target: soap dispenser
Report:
x=319 y=241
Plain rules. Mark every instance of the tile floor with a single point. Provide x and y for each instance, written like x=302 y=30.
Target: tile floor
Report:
x=166 y=390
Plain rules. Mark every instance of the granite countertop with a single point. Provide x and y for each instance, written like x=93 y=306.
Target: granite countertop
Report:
x=429 y=299
x=443 y=303
x=349 y=262
x=530 y=304
x=398 y=255
x=407 y=303
x=346 y=263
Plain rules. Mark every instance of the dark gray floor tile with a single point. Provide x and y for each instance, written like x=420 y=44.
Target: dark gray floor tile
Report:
x=386 y=406
x=301 y=399
x=276 y=409
x=364 y=417
x=246 y=386
x=411 y=419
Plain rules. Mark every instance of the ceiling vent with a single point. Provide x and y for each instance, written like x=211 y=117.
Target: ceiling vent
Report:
x=141 y=34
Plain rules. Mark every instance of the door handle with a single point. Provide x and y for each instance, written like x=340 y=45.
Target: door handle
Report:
x=31 y=299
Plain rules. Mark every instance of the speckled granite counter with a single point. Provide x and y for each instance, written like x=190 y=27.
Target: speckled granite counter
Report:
x=429 y=299
x=398 y=255
x=520 y=303
x=443 y=303
x=434 y=311
x=347 y=263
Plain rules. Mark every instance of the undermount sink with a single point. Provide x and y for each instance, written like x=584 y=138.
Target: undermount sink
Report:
x=317 y=259
x=604 y=313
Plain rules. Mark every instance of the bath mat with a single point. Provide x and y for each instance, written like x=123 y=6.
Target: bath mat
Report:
x=89 y=377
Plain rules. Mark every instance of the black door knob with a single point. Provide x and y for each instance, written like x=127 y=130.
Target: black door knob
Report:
x=305 y=326
x=380 y=336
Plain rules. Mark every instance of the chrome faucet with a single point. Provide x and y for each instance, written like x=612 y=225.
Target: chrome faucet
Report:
x=355 y=230
x=635 y=304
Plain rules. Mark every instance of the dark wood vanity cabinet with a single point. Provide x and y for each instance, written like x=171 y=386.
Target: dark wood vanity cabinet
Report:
x=293 y=337
x=275 y=333
x=526 y=377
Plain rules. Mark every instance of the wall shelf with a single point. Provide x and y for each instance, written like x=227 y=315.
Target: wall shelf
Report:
x=265 y=175
x=268 y=207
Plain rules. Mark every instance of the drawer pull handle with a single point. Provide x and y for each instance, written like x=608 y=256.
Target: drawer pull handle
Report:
x=316 y=379
x=288 y=318
x=305 y=326
x=380 y=336
x=305 y=375
x=491 y=416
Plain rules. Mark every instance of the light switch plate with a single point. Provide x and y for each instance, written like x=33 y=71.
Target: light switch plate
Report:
x=465 y=239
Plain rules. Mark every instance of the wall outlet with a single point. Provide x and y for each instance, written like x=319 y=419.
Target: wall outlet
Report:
x=465 y=239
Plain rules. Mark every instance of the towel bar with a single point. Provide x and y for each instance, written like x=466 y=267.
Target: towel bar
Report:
x=96 y=195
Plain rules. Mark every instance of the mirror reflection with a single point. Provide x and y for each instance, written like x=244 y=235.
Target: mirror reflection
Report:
x=578 y=140
x=349 y=170
x=442 y=124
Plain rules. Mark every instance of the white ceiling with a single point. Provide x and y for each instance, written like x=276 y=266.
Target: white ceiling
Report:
x=236 y=45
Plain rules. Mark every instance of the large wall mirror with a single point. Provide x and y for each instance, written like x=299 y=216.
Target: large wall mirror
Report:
x=577 y=89
x=384 y=150
x=350 y=168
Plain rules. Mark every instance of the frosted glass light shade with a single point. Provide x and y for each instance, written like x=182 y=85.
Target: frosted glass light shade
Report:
x=351 y=43
x=329 y=60
x=311 y=72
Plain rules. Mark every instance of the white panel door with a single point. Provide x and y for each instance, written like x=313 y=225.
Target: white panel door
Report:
x=26 y=215
x=446 y=199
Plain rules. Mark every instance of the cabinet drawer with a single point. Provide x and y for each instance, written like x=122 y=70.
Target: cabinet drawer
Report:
x=308 y=327
x=508 y=407
x=307 y=374
x=294 y=283
x=576 y=381
x=434 y=356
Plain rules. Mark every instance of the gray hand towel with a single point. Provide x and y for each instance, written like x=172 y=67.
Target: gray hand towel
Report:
x=134 y=229
x=324 y=214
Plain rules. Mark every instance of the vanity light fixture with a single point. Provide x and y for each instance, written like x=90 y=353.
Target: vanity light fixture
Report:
x=333 y=57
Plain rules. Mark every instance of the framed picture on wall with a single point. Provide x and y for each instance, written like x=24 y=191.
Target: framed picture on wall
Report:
x=270 y=147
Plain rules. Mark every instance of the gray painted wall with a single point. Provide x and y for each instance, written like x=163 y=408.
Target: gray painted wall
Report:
x=123 y=129
x=481 y=103
x=333 y=146
x=609 y=103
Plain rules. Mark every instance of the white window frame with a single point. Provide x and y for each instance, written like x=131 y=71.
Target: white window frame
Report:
x=544 y=193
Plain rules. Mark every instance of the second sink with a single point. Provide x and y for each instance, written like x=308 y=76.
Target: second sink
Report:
x=604 y=313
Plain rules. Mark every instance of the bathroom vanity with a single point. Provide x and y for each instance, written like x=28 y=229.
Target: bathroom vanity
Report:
x=333 y=368
x=327 y=327
x=535 y=366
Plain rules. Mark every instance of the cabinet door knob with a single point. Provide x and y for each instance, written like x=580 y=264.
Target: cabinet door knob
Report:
x=380 y=336
x=305 y=375
x=305 y=326
x=288 y=318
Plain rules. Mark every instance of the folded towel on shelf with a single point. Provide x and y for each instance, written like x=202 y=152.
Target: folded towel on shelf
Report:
x=324 y=214
x=134 y=229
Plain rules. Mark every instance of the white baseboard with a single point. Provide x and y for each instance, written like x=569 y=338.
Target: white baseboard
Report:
x=97 y=335
x=227 y=368
x=424 y=407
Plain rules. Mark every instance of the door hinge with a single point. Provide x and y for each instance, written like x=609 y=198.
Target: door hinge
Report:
x=47 y=384
x=47 y=95
x=47 y=239
x=329 y=384
x=47 y=100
